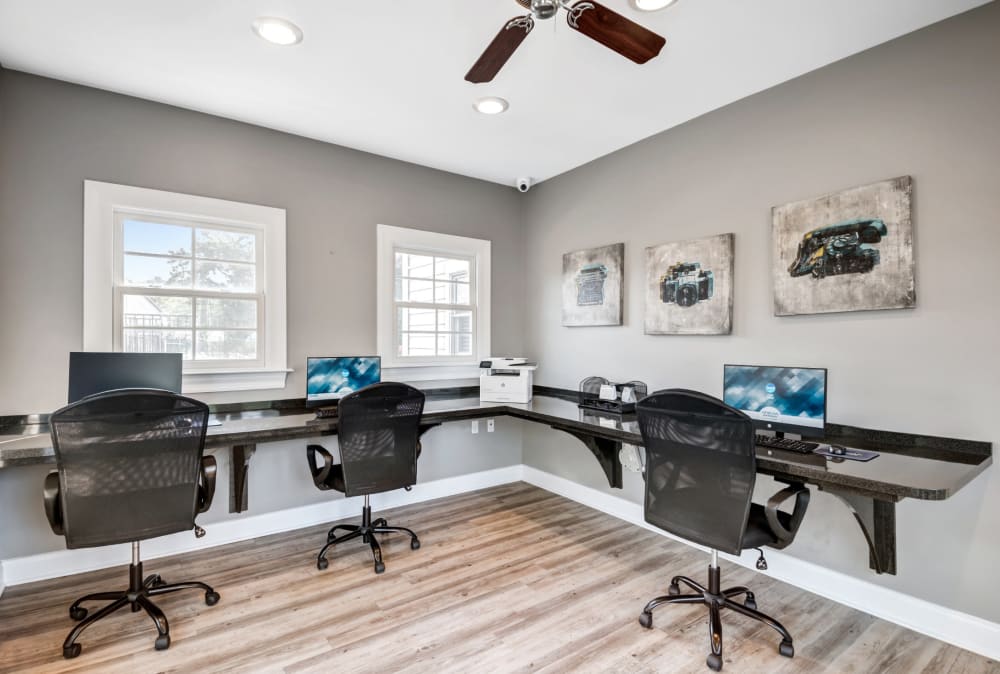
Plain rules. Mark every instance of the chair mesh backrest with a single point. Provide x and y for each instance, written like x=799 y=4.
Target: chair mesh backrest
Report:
x=129 y=462
x=378 y=429
x=700 y=467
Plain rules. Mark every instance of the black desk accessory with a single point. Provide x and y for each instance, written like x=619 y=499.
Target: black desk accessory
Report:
x=598 y=393
x=842 y=453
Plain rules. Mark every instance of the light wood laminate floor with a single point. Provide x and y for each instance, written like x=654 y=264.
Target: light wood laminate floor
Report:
x=508 y=579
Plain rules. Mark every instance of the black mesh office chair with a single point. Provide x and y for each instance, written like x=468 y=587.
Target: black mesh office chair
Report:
x=379 y=432
x=131 y=467
x=700 y=472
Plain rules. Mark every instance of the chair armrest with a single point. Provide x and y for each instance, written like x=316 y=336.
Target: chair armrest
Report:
x=206 y=483
x=801 y=494
x=53 y=502
x=319 y=474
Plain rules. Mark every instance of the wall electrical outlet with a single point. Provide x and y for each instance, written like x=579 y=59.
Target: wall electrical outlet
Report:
x=475 y=425
x=489 y=425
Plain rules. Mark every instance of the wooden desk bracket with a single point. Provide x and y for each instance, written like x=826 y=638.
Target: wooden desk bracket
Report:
x=239 y=460
x=605 y=451
x=239 y=455
x=877 y=519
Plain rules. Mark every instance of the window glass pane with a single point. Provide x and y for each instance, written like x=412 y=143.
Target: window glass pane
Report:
x=408 y=290
x=152 y=237
x=449 y=269
x=151 y=340
x=153 y=311
x=157 y=272
x=225 y=276
x=417 y=266
x=454 y=321
x=218 y=244
x=416 y=319
x=226 y=344
x=454 y=344
x=416 y=344
x=222 y=313
x=451 y=293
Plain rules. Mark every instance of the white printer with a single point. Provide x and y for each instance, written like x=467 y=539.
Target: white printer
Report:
x=506 y=380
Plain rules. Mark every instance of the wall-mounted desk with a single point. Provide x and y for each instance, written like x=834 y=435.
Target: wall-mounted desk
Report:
x=910 y=466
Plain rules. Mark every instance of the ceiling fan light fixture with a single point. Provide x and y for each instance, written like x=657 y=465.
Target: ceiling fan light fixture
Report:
x=651 y=5
x=277 y=31
x=491 y=105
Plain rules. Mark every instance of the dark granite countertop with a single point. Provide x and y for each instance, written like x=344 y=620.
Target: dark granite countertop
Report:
x=913 y=466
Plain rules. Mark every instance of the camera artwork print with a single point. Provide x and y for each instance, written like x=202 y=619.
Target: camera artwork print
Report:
x=849 y=251
x=689 y=287
x=592 y=288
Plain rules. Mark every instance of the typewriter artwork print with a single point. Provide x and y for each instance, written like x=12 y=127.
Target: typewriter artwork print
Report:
x=590 y=285
x=592 y=288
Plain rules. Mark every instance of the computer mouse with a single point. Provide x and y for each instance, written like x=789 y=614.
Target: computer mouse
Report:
x=838 y=450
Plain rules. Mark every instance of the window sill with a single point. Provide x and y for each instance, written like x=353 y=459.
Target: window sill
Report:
x=413 y=373
x=214 y=381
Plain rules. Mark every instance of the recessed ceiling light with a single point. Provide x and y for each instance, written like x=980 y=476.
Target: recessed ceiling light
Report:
x=491 y=105
x=652 y=5
x=277 y=31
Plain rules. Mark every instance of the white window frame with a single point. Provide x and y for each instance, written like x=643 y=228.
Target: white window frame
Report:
x=104 y=206
x=392 y=239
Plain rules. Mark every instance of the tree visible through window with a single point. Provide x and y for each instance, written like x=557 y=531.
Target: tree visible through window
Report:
x=190 y=288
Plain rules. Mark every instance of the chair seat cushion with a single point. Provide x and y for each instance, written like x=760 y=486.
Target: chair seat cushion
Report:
x=335 y=480
x=758 y=531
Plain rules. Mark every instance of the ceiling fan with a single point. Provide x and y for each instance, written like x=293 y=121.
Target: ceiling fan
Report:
x=591 y=18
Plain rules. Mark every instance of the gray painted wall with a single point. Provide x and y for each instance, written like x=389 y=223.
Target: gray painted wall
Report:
x=924 y=105
x=54 y=135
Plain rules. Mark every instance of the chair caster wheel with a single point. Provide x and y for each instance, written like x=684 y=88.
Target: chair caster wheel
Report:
x=212 y=598
x=77 y=613
x=673 y=590
x=414 y=544
x=322 y=563
x=786 y=649
x=750 y=604
x=646 y=620
x=714 y=662
x=162 y=642
x=71 y=651
x=379 y=567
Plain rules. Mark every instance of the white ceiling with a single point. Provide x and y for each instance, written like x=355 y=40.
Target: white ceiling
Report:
x=387 y=77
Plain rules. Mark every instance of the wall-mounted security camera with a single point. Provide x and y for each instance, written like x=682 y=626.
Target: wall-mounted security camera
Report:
x=523 y=184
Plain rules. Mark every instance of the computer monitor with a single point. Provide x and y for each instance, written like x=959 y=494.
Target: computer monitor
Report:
x=329 y=379
x=95 y=372
x=783 y=399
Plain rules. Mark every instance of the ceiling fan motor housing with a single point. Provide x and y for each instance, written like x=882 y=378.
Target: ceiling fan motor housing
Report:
x=544 y=9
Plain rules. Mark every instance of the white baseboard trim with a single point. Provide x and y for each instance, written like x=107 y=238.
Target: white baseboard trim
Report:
x=58 y=563
x=951 y=626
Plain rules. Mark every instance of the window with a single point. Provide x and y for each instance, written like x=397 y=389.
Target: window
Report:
x=433 y=295
x=167 y=272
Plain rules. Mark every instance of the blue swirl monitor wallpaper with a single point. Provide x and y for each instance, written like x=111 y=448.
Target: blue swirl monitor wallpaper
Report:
x=791 y=395
x=333 y=378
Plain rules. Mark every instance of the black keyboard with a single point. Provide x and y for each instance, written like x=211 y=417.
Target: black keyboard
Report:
x=787 y=444
x=327 y=412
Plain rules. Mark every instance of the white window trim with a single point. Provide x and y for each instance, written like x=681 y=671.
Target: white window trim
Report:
x=389 y=239
x=101 y=203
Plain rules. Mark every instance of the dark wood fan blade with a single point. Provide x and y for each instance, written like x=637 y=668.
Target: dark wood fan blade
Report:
x=614 y=31
x=507 y=40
